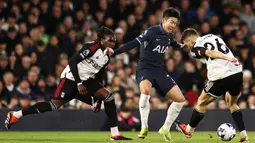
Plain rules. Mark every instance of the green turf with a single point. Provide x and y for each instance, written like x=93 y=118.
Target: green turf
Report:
x=103 y=137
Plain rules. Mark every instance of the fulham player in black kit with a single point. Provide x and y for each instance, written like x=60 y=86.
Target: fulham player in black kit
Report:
x=79 y=80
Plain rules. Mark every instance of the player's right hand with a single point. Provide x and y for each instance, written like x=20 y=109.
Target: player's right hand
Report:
x=234 y=61
x=82 y=89
x=109 y=51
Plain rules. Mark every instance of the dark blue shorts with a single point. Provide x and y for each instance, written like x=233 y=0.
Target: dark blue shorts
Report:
x=159 y=79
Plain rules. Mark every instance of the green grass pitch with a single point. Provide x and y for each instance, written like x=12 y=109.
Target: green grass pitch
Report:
x=103 y=137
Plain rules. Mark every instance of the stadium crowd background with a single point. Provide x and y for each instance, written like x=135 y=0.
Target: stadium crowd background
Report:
x=37 y=37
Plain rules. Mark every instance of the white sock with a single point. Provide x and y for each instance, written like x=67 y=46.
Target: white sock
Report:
x=243 y=133
x=190 y=129
x=172 y=113
x=115 y=131
x=17 y=114
x=144 y=108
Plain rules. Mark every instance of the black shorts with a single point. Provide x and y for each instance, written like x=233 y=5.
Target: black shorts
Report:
x=232 y=84
x=67 y=89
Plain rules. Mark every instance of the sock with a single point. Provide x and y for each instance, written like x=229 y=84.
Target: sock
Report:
x=39 y=108
x=243 y=134
x=115 y=131
x=17 y=114
x=110 y=110
x=238 y=118
x=195 y=118
x=190 y=129
x=144 y=108
x=172 y=113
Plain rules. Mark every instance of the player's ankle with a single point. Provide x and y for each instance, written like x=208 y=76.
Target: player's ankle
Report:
x=190 y=129
x=17 y=114
x=115 y=131
x=243 y=134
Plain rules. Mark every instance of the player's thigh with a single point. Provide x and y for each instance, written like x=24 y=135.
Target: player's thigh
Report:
x=166 y=86
x=203 y=100
x=96 y=89
x=215 y=88
x=234 y=84
x=65 y=92
x=145 y=81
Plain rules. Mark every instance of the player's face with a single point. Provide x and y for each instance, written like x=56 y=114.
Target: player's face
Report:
x=189 y=42
x=109 y=41
x=169 y=24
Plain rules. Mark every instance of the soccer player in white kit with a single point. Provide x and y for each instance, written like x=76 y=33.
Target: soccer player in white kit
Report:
x=224 y=74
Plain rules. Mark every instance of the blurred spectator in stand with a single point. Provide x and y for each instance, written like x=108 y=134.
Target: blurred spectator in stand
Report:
x=251 y=102
x=4 y=96
x=8 y=79
x=127 y=121
x=23 y=93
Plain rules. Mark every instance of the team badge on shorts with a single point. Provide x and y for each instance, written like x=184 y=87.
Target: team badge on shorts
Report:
x=62 y=95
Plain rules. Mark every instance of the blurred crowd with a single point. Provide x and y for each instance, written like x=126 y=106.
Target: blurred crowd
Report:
x=37 y=37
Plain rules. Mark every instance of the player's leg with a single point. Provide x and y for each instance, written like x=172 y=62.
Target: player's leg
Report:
x=99 y=92
x=145 y=81
x=144 y=106
x=236 y=115
x=197 y=114
x=37 y=108
x=234 y=86
x=166 y=86
x=62 y=95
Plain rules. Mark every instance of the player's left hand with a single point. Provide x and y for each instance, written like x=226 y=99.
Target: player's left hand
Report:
x=109 y=51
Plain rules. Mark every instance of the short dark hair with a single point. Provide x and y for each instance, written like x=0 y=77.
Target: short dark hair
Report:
x=171 y=12
x=103 y=31
x=188 y=32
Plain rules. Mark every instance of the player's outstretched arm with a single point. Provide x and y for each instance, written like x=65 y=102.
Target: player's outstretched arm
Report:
x=219 y=55
x=126 y=47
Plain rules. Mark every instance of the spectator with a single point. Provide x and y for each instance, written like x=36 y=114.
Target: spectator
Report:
x=222 y=104
x=248 y=17
x=251 y=102
x=247 y=80
x=4 y=96
x=3 y=65
x=23 y=93
x=127 y=121
x=9 y=84
x=242 y=105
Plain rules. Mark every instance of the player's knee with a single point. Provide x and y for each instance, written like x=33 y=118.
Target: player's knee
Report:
x=54 y=105
x=181 y=99
x=109 y=98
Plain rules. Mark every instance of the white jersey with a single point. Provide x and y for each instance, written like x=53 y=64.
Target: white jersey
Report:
x=91 y=60
x=216 y=68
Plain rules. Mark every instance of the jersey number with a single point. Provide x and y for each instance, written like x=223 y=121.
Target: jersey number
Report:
x=221 y=47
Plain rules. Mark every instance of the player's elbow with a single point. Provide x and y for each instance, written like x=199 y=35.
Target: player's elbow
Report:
x=209 y=53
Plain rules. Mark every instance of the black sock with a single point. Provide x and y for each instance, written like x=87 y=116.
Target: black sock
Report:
x=238 y=118
x=40 y=107
x=195 y=118
x=111 y=112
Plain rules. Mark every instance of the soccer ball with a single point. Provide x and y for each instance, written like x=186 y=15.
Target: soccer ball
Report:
x=226 y=132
